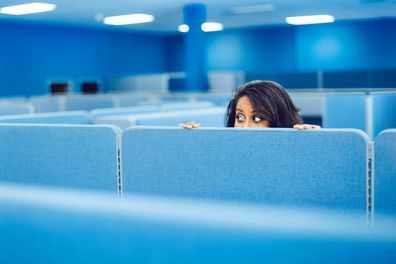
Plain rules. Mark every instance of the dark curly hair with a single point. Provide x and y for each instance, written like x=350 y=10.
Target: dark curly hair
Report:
x=270 y=100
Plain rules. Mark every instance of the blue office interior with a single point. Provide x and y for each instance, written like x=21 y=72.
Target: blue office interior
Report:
x=351 y=54
x=94 y=178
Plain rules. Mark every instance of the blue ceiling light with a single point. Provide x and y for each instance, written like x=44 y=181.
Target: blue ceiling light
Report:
x=183 y=28
x=305 y=20
x=211 y=26
x=205 y=27
x=25 y=9
x=128 y=19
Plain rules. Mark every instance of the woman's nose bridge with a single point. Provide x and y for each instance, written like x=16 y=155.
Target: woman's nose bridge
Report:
x=247 y=123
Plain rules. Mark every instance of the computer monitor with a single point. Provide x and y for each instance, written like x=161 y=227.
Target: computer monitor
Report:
x=89 y=87
x=57 y=88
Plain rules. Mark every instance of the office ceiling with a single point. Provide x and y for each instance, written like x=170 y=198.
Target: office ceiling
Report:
x=169 y=13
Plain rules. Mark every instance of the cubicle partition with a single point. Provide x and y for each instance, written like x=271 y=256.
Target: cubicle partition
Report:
x=369 y=111
x=67 y=117
x=310 y=104
x=149 y=107
x=383 y=111
x=15 y=107
x=208 y=117
x=43 y=226
x=345 y=110
x=385 y=172
x=285 y=167
x=62 y=156
x=88 y=102
x=47 y=104
x=199 y=195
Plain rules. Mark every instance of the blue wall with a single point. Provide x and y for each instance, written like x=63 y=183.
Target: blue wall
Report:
x=338 y=46
x=270 y=48
x=175 y=52
x=31 y=54
x=347 y=46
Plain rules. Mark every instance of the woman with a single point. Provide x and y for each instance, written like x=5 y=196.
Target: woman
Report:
x=261 y=104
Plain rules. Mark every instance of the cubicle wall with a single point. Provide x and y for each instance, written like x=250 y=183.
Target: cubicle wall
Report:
x=202 y=195
x=310 y=105
x=385 y=172
x=68 y=117
x=88 y=102
x=64 y=156
x=365 y=109
x=208 y=117
x=150 y=107
x=15 y=107
x=345 y=110
x=45 y=226
x=77 y=102
x=47 y=104
x=370 y=111
x=285 y=167
x=383 y=111
x=321 y=168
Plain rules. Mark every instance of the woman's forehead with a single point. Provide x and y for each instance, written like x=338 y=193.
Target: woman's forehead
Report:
x=244 y=104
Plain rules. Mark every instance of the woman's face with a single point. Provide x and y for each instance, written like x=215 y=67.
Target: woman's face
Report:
x=245 y=116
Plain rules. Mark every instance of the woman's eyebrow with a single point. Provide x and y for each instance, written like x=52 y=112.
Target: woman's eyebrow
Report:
x=240 y=110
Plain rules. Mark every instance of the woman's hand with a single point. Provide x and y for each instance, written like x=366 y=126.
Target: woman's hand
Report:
x=305 y=126
x=190 y=125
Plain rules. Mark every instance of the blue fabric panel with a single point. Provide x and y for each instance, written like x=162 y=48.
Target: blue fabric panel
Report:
x=96 y=113
x=384 y=111
x=166 y=106
x=385 y=172
x=41 y=226
x=345 y=111
x=125 y=100
x=149 y=108
x=171 y=98
x=16 y=109
x=47 y=104
x=219 y=100
x=212 y=117
x=72 y=117
x=309 y=103
x=68 y=156
x=324 y=168
x=87 y=103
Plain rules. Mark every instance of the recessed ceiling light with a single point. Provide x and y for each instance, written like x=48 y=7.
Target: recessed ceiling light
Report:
x=304 y=20
x=252 y=9
x=183 y=28
x=206 y=27
x=211 y=26
x=128 y=19
x=27 y=9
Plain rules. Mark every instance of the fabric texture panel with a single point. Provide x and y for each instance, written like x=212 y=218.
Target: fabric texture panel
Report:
x=325 y=168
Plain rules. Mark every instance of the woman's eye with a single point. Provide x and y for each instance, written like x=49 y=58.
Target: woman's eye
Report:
x=240 y=118
x=257 y=118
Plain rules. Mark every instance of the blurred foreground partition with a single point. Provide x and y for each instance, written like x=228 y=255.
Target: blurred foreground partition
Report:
x=43 y=226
